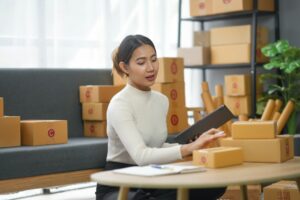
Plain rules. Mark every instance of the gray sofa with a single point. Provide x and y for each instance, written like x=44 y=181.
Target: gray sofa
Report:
x=50 y=94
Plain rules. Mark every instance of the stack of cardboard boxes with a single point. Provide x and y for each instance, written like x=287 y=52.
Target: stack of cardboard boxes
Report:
x=95 y=99
x=10 y=128
x=211 y=7
x=254 y=136
x=14 y=132
x=282 y=190
x=170 y=82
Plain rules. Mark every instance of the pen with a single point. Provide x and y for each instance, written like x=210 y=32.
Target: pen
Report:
x=161 y=167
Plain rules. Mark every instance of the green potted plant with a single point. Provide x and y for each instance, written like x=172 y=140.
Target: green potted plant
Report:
x=285 y=83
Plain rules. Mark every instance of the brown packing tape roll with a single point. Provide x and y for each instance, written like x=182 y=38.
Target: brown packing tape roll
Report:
x=219 y=90
x=204 y=86
x=208 y=102
x=267 y=114
x=287 y=111
x=276 y=116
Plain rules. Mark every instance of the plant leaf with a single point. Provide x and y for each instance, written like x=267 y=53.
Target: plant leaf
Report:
x=269 y=50
x=282 y=46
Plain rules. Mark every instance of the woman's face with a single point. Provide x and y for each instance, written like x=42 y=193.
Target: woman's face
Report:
x=143 y=67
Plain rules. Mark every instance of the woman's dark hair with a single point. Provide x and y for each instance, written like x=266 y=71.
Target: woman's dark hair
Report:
x=124 y=52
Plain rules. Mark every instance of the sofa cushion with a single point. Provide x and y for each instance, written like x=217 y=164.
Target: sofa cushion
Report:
x=78 y=154
x=49 y=93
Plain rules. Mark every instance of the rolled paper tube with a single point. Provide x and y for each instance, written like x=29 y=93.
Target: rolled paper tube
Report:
x=204 y=86
x=215 y=101
x=197 y=115
x=243 y=117
x=208 y=102
x=278 y=104
x=267 y=114
x=287 y=111
x=219 y=101
x=276 y=116
x=219 y=90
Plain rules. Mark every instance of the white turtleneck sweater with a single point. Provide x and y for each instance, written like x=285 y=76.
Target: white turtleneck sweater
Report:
x=136 y=128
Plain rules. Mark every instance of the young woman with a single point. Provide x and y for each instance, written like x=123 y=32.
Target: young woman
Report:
x=136 y=123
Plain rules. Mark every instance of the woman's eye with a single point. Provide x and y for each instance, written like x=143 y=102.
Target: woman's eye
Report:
x=154 y=59
x=140 y=63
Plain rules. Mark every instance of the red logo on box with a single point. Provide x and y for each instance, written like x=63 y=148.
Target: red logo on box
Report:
x=203 y=159
x=92 y=128
x=90 y=111
x=237 y=104
x=202 y=6
x=226 y=1
x=235 y=85
x=173 y=94
x=88 y=93
x=174 y=67
x=51 y=132
x=174 y=120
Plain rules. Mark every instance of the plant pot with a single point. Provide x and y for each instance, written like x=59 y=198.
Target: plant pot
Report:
x=297 y=144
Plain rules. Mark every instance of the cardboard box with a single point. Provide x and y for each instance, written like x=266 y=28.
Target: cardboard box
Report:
x=194 y=56
x=174 y=91
x=218 y=157
x=234 y=193
x=94 y=111
x=254 y=130
x=222 y=6
x=231 y=35
x=98 y=93
x=10 y=134
x=202 y=38
x=263 y=150
x=94 y=128
x=237 y=85
x=177 y=120
x=1 y=107
x=200 y=7
x=117 y=79
x=44 y=132
x=170 y=70
x=238 y=105
x=282 y=190
x=234 y=54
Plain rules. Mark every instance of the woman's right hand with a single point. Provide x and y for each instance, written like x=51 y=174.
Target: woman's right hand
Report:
x=202 y=141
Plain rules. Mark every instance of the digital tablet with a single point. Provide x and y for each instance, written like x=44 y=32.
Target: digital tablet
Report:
x=213 y=120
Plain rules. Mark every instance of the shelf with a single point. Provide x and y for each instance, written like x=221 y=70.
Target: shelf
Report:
x=232 y=15
x=223 y=66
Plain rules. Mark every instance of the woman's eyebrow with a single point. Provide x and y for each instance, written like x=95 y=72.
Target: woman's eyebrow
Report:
x=140 y=58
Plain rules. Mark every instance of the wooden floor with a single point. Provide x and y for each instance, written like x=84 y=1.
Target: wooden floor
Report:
x=79 y=193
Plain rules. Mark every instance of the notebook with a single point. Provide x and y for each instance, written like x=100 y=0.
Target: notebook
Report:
x=212 y=120
x=159 y=170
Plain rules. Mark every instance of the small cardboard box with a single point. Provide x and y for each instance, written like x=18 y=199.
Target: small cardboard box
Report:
x=117 y=79
x=234 y=54
x=222 y=6
x=194 y=56
x=44 y=132
x=170 y=70
x=218 y=157
x=275 y=150
x=94 y=111
x=254 y=130
x=1 y=107
x=237 y=85
x=282 y=190
x=234 y=193
x=177 y=120
x=238 y=105
x=98 y=93
x=202 y=38
x=94 y=128
x=174 y=92
x=10 y=134
x=200 y=7
x=231 y=35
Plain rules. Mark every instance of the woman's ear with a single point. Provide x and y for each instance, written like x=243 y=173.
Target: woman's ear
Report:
x=124 y=67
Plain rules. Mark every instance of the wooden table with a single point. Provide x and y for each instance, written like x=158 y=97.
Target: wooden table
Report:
x=247 y=173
